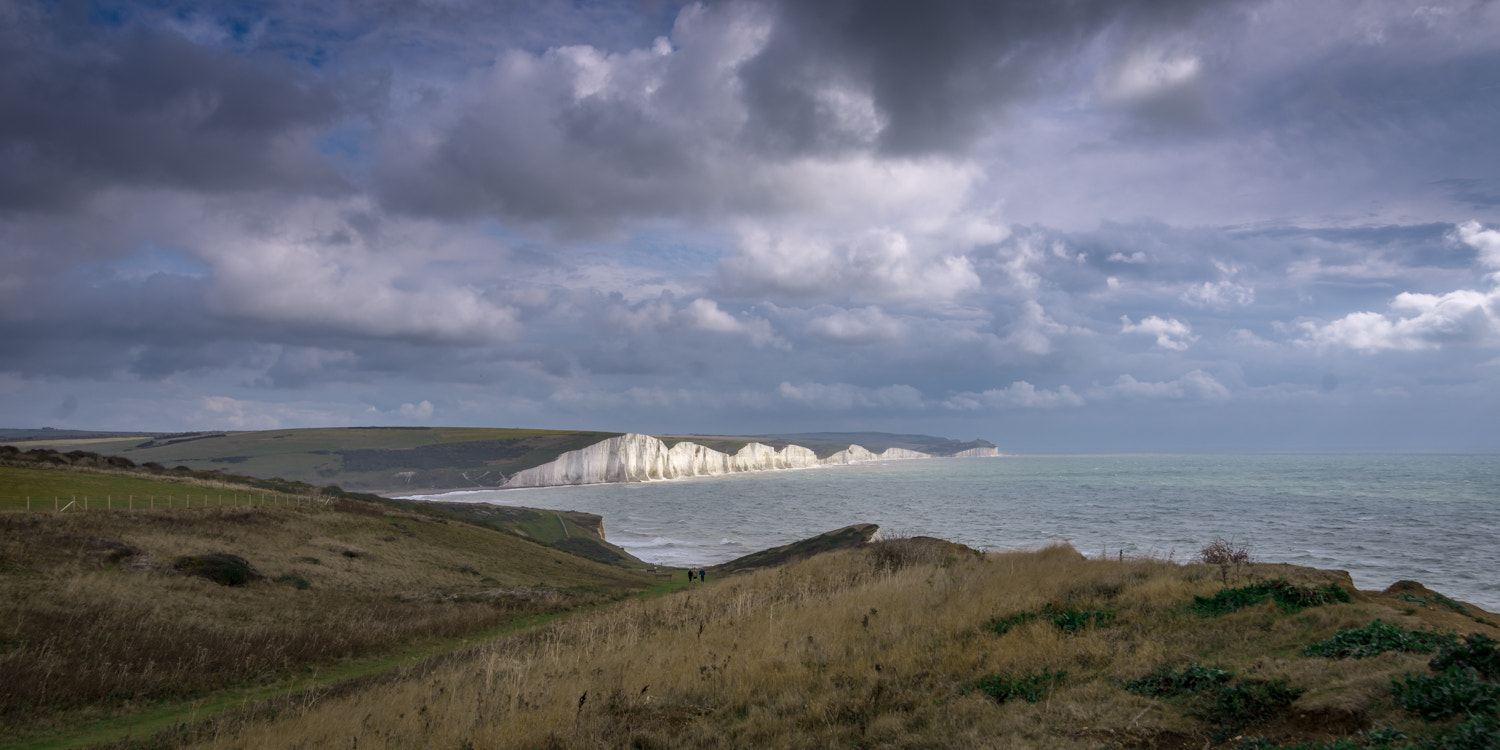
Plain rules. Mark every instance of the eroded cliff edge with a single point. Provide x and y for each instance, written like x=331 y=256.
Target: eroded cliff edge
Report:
x=639 y=458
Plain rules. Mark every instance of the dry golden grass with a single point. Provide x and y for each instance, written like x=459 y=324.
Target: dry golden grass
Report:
x=86 y=630
x=848 y=649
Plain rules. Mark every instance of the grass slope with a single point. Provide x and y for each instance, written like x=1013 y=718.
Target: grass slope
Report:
x=897 y=644
x=78 y=481
x=96 y=623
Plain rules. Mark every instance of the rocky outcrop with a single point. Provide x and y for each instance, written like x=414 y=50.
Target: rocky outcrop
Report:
x=642 y=458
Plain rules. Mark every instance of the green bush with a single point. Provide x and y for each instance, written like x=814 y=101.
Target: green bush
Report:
x=1478 y=652
x=1378 y=638
x=1456 y=692
x=1028 y=687
x=220 y=567
x=1234 y=707
x=1067 y=620
x=1193 y=678
x=1477 y=733
x=1289 y=597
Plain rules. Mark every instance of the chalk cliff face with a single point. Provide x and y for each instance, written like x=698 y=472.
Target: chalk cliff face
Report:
x=641 y=458
x=978 y=453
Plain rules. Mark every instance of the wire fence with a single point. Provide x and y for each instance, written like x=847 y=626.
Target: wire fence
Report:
x=69 y=503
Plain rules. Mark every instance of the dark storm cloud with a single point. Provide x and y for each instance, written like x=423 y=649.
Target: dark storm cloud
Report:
x=85 y=107
x=937 y=71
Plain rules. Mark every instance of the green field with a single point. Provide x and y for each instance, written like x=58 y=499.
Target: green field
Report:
x=45 y=489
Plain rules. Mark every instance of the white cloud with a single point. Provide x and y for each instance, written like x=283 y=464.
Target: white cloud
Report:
x=843 y=396
x=1151 y=72
x=1033 y=329
x=416 y=412
x=866 y=325
x=1423 y=321
x=224 y=412
x=1415 y=322
x=881 y=264
x=701 y=314
x=1219 y=294
x=1136 y=258
x=309 y=270
x=1196 y=385
x=1017 y=395
x=704 y=315
x=1170 y=333
x=1486 y=241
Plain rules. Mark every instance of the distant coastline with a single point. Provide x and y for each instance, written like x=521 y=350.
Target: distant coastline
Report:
x=634 y=457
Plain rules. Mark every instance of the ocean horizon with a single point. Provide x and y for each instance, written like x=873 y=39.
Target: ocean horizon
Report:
x=1432 y=518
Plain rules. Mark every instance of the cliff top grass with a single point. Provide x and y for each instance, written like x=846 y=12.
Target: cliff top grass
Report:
x=110 y=615
x=893 y=644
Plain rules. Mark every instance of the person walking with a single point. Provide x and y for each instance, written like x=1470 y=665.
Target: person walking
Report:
x=690 y=575
x=703 y=574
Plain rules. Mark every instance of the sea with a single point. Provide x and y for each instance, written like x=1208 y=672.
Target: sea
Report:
x=1383 y=518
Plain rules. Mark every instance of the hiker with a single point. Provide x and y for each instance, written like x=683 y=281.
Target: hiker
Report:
x=703 y=574
x=690 y=576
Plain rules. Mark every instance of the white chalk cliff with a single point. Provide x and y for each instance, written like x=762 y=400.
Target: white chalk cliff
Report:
x=642 y=458
x=978 y=453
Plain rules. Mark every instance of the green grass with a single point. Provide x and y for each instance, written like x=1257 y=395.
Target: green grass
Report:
x=117 y=491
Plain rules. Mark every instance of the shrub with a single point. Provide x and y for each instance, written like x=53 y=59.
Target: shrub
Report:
x=1067 y=620
x=1455 y=692
x=1234 y=707
x=1194 y=678
x=1028 y=687
x=1477 y=733
x=1478 y=652
x=220 y=567
x=1378 y=638
x=1223 y=551
x=1289 y=597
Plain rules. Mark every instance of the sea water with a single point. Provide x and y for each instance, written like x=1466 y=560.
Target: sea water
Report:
x=1384 y=518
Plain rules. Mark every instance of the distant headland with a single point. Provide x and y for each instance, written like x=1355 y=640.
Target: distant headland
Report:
x=430 y=460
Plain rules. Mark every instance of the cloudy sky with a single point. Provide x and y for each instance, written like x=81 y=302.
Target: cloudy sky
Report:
x=1095 y=225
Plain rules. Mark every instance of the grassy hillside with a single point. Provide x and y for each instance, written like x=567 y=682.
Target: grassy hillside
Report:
x=913 y=643
x=79 y=481
x=102 y=615
x=367 y=459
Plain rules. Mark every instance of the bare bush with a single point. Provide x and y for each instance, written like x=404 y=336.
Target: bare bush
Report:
x=1223 y=551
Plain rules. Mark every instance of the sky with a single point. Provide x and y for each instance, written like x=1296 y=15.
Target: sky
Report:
x=1082 y=226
